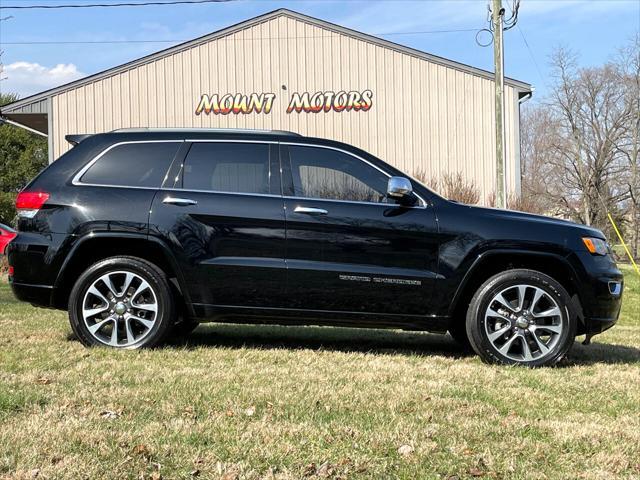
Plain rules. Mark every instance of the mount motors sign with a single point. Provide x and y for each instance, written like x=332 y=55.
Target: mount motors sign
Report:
x=305 y=102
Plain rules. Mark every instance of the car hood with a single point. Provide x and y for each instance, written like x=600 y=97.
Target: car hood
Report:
x=514 y=215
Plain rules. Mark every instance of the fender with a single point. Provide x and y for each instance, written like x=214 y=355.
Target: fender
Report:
x=482 y=257
x=168 y=254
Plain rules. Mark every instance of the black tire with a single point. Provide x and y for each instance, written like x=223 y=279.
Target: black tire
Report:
x=164 y=317
x=477 y=325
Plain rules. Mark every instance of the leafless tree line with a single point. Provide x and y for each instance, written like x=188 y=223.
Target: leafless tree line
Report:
x=580 y=148
x=580 y=145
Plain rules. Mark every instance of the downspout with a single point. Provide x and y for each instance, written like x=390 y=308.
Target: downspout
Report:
x=518 y=159
x=50 y=129
x=526 y=97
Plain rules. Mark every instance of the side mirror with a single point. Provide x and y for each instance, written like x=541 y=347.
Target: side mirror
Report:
x=399 y=187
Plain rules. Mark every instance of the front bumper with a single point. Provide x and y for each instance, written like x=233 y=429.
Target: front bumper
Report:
x=601 y=287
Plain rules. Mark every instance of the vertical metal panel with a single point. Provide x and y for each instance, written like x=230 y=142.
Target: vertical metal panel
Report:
x=50 y=132
x=425 y=116
x=38 y=106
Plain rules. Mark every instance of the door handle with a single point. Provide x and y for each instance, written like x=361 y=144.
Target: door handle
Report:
x=182 y=202
x=311 y=210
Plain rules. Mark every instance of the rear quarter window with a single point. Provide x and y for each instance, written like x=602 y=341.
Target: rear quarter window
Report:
x=132 y=165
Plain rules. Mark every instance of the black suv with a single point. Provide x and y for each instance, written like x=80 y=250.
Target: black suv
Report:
x=141 y=234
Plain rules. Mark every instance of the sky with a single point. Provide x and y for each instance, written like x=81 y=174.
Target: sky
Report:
x=593 y=29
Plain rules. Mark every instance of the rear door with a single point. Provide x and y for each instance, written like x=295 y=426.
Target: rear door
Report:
x=350 y=248
x=222 y=213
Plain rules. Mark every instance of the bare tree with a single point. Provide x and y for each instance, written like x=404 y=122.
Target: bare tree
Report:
x=628 y=64
x=588 y=120
x=538 y=192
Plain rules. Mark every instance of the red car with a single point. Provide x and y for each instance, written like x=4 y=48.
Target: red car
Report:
x=6 y=235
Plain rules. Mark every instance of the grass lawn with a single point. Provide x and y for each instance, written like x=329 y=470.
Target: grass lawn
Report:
x=271 y=402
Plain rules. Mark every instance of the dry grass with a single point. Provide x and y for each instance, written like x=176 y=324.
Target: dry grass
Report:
x=271 y=402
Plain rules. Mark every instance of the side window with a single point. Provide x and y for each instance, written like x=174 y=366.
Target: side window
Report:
x=133 y=165
x=228 y=167
x=330 y=174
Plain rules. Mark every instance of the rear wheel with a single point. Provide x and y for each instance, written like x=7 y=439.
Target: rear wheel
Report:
x=122 y=302
x=521 y=317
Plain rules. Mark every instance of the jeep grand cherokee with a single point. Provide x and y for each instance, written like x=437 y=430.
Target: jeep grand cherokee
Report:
x=141 y=234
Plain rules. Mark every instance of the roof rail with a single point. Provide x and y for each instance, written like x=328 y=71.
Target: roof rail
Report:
x=213 y=130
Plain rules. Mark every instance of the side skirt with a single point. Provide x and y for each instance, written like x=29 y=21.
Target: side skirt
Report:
x=292 y=316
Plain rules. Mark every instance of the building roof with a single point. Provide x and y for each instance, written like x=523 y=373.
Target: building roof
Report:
x=42 y=104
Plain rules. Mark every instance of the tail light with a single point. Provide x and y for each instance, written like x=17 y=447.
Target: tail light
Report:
x=28 y=203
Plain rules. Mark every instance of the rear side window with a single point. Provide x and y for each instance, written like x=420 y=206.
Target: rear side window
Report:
x=133 y=165
x=228 y=167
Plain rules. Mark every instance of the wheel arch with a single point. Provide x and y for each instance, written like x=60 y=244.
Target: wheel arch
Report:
x=96 y=246
x=492 y=262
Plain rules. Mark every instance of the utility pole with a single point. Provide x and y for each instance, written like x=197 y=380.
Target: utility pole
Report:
x=497 y=15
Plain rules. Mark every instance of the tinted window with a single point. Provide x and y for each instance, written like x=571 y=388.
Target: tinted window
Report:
x=133 y=165
x=227 y=167
x=330 y=174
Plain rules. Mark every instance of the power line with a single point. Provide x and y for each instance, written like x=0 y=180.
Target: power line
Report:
x=524 y=39
x=137 y=4
x=100 y=42
x=108 y=5
x=531 y=54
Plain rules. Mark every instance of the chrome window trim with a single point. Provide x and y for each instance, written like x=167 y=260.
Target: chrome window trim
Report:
x=357 y=202
x=218 y=192
x=83 y=170
x=76 y=179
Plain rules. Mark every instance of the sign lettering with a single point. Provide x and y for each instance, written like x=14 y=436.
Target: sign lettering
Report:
x=305 y=102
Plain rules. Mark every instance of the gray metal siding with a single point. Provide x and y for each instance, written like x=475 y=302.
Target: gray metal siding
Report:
x=38 y=106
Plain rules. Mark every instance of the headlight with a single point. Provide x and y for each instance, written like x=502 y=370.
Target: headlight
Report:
x=596 y=246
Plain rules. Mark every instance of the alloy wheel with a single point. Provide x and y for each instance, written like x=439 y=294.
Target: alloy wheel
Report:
x=120 y=308
x=523 y=323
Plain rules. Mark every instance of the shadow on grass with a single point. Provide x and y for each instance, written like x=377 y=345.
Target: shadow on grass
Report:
x=602 y=353
x=374 y=341
x=321 y=338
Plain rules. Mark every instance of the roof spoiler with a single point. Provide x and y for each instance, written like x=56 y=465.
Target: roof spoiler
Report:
x=76 y=138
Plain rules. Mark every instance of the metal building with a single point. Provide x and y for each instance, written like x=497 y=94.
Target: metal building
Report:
x=288 y=71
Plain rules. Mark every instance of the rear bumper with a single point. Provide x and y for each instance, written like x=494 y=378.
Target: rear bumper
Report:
x=36 y=259
x=39 y=295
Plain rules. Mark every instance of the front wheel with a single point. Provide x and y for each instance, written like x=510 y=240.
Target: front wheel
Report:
x=521 y=317
x=122 y=302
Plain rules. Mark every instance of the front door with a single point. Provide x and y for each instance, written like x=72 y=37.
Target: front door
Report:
x=222 y=214
x=350 y=248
